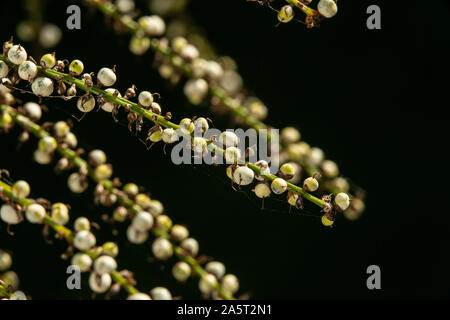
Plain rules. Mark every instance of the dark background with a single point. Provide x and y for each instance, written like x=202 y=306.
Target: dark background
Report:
x=368 y=98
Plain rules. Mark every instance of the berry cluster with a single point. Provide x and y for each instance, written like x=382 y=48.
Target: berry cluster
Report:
x=9 y=280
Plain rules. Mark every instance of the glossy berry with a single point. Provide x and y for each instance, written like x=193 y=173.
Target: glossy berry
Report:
x=27 y=70
x=20 y=189
x=278 y=186
x=181 y=271
x=106 y=77
x=243 y=176
x=17 y=54
x=35 y=213
x=327 y=8
x=76 y=67
x=105 y=264
x=42 y=86
x=48 y=60
x=262 y=190
x=342 y=200
x=84 y=240
x=162 y=249
x=311 y=184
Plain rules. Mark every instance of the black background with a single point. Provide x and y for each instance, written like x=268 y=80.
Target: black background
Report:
x=368 y=98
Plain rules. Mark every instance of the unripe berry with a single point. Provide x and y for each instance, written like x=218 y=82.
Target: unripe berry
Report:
x=11 y=278
x=179 y=233
x=27 y=70
x=18 y=295
x=17 y=54
x=287 y=171
x=103 y=171
x=42 y=86
x=262 y=190
x=82 y=260
x=111 y=249
x=20 y=189
x=145 y=98
x=105 y=264
x=327 y=8
x=48 y=144
x=143 y=200
x=181 y=271
x=160 y=293
x=82 y=223
x=187 y=126
x=311 y=184
x=164 y=222
x=135 y=236
x=178 y=44
x=35 y=213
x=131 y=189
x=207 y=283
x=230 y=283
x=139 y=45
x=342 y=200
x=243 y=175
x=99 y=283
x=106 y=77
x=278 y=186
x=326 y=221
x=162 y=249
x=48 y=60
x=61 y=128
x=76 y=67
x=298 y=150
x=84 y=240
x=286 y=14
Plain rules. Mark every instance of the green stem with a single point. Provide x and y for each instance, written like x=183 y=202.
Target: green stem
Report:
x=4 y=293
x=307 y=10
x=66 y=232
x=36 y=130
x=157 y=119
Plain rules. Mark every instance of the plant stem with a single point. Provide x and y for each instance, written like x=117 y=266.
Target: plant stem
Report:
x=79 y=162
x=157 y=119
x=66 y=232
x=4 y=292
x=307 y=10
